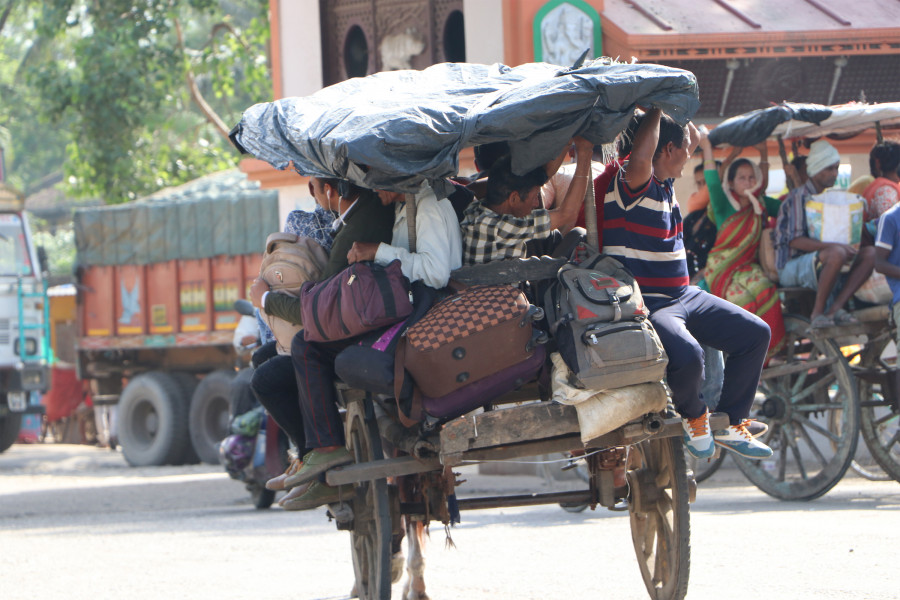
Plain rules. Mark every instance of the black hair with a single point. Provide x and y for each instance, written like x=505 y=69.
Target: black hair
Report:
x=799 y=162
x=733 y=168
x=487 y=154
x=887 y=154
x=502 y=181
x=669 y=131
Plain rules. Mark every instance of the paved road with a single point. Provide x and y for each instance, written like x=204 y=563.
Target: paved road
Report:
x=77 y=523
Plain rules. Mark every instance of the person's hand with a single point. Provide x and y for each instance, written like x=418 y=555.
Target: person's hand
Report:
x=362 y=251
x=257 y=290
x=582 y=146
x=763 y=149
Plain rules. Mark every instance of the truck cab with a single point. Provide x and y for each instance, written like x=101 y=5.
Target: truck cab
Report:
x=24 y=343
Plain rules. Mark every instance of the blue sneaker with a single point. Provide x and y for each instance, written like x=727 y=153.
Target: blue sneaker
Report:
x=737 y=439
x=697 y=438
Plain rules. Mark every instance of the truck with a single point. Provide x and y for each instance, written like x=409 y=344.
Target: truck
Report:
x=24 y=342
x=157 y=280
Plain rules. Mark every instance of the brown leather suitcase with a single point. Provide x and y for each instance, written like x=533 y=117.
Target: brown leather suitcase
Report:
x=469 y=336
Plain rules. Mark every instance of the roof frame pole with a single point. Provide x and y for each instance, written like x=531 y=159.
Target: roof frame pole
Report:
x=839 y=63
x=590 y=216
x=732 y=64
x=829 y=12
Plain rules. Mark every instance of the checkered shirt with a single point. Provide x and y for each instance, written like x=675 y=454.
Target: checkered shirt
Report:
x=489 y=236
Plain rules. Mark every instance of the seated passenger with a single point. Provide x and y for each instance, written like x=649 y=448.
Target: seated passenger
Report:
x=884 y=191
x=811 y=263
x=741 y=210
x=642 y=230
x=438 y=252
x=511 y=214
x=361 y=217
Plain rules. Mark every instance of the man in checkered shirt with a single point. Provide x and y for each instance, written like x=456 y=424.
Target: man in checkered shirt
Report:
x=511 y=214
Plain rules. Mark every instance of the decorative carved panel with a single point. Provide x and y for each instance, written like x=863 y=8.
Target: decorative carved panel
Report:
x=400 y=34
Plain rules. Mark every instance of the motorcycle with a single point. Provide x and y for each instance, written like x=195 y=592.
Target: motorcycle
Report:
x=256 y=449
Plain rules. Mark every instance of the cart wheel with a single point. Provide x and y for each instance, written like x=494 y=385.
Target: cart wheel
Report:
x=703 y=469
x=880 y=426
x=813 y=417
x=658 y=505
x=370 y=537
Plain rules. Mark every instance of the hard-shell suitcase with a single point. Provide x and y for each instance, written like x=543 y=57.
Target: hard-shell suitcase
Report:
x=486 y=390
x=468 y=336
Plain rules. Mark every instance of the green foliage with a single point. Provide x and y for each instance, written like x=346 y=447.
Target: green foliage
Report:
x=107 y=81
x=60 y=247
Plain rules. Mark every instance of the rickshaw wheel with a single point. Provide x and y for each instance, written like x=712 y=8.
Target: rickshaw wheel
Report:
x=813 y=418
x=658 y=506
x=370 y=537
x=880 y=426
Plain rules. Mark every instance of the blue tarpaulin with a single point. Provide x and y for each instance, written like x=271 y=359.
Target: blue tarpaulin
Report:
x=396 y=129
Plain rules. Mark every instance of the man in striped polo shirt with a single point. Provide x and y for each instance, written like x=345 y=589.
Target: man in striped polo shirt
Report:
x=642 y=229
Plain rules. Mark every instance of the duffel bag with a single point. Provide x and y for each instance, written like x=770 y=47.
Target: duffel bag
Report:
x=369 y=363
x=361 y=298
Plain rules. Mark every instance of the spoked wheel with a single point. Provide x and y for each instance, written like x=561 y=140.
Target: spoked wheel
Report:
x=863 y=466
x=703 y=468
x=370 y=536
x=811 y=405
x=880 y=426
x=660 y=516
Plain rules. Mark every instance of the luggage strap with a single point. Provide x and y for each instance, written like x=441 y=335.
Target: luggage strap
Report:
x=415 y=409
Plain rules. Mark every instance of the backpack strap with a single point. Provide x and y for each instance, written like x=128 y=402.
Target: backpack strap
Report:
x=415 y=410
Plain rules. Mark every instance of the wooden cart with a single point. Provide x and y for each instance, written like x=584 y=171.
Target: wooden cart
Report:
x=656 y=488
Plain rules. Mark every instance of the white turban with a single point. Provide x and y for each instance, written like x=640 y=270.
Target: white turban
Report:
x=821 y=156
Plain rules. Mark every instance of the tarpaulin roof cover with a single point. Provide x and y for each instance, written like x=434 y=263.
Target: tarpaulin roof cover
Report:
x=396 y=129
x=845 y=119
x=755 y=126
x=219 y=214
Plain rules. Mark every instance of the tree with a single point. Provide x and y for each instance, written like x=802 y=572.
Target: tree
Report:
x=139 y=90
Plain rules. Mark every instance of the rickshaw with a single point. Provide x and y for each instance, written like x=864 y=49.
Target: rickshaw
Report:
x=638 y=466
x=831 y=383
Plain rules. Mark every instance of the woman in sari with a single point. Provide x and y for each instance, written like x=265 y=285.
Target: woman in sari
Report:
x=741 y=210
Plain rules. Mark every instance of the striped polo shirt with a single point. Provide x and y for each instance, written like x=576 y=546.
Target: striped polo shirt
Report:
x=642 y=230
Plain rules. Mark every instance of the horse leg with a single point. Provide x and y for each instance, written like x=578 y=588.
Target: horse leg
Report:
x=415 y=563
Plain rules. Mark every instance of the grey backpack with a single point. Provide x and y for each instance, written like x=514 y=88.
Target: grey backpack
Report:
x=597 y=315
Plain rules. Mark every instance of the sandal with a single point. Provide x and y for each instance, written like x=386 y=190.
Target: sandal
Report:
x=822 y=321
x=842 y=317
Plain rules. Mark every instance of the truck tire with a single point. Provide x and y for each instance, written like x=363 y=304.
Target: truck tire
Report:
x=209 y=415
x=153 y=421
x=9 y=428
x=188 y=383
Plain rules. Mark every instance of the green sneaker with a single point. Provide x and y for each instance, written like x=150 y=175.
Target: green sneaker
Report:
x=319 y=494
x=315 y=463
